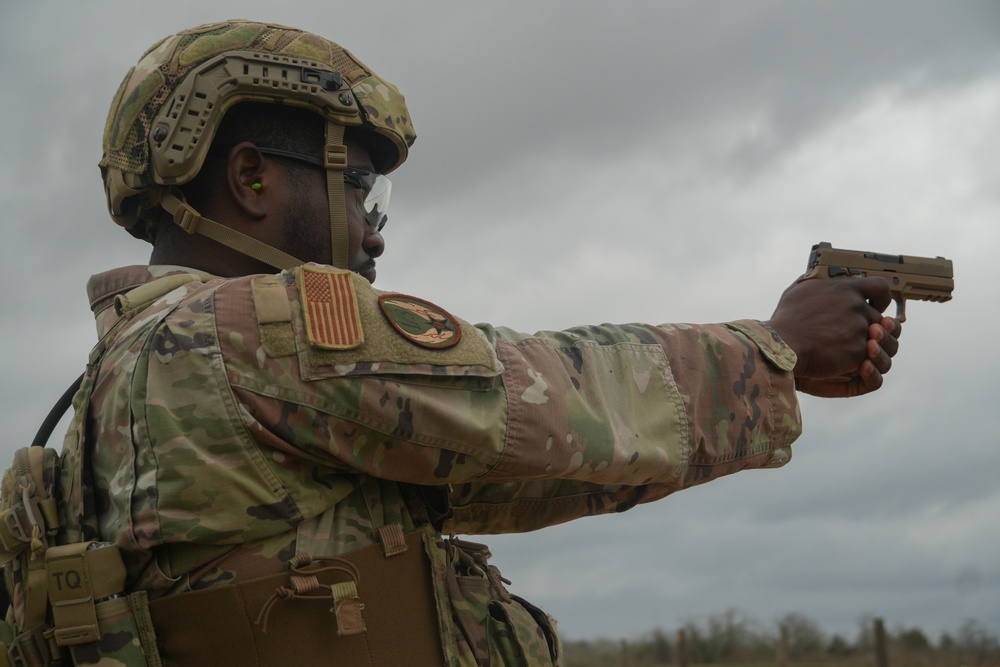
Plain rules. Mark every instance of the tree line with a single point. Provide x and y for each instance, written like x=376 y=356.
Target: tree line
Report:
x=735 y=637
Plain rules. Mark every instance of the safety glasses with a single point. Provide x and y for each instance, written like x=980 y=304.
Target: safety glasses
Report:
x=375 y=188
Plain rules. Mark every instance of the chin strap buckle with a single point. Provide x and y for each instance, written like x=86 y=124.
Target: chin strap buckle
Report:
x=187 y=218
x=335 y=157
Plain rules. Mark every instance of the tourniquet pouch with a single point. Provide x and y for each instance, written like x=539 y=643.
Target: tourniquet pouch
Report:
x=488 y=625
x=373 y=607
x=92 y=617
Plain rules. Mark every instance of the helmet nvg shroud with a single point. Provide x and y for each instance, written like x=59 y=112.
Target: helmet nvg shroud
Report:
x=166 y=112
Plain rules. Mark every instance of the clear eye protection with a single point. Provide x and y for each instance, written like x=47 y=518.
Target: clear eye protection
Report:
x=376 y=189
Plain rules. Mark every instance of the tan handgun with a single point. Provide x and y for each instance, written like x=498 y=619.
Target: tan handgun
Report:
x=921 y=278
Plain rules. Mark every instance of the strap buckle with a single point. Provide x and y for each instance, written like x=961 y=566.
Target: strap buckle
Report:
x=335 y=157
x=34 y=647
x=187 y=218
x=15 y=528
x=26 y=523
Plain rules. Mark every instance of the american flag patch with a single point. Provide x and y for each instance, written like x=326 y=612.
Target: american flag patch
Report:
x=330 y=307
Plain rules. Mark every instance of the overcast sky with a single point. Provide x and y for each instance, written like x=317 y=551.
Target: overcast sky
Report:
x=583 y=162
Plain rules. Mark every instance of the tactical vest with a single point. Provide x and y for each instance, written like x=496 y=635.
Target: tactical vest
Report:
x=374 y=606
x=415 y=599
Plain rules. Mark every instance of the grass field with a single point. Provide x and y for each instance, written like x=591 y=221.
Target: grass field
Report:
x=908 y=661
x=579 y=656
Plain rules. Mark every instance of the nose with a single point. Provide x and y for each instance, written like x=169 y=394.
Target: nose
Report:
x=373 y=243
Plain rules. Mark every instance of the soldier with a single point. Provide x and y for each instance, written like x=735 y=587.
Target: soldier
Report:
x=278 y=455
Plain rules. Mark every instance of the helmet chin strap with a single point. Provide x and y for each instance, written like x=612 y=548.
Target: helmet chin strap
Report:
x=335 y=161
x=188 y=219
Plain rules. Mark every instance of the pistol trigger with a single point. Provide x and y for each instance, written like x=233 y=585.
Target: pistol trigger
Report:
x=901 y=309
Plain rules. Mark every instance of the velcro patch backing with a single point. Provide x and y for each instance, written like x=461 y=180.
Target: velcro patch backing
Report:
x=274 y=315
x=384 y=350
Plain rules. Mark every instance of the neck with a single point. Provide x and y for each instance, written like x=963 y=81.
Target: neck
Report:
x=174 y=246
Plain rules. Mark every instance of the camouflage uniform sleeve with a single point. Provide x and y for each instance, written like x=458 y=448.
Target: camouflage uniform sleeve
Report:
x=636 y=412
x=528 y=430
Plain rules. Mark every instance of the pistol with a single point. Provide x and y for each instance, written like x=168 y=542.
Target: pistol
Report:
x=921 y=278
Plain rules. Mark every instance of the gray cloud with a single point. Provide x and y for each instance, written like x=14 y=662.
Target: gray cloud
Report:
x=654 y=161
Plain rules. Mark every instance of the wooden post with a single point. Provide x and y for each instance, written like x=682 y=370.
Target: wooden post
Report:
x=881 y=651
x=623 y=657
x=782 y=646
x=682 y=648
x=661 y=648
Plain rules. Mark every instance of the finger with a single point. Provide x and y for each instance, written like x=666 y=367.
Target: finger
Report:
x=871 y=378
x=876 y=290
x=892 y=326
x=873 y=313
x=878 y=356
x=886 y=341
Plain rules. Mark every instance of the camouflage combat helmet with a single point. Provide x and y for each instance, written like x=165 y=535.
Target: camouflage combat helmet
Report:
x=166 y=112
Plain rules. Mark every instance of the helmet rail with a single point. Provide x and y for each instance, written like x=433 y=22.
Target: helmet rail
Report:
x=182 y=132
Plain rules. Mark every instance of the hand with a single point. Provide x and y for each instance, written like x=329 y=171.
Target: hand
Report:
x=836 y=328
x=883 y=341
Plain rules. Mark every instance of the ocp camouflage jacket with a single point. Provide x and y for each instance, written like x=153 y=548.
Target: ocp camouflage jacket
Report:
x=237 y=422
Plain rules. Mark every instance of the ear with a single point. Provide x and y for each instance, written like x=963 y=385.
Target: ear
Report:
x=246 y=167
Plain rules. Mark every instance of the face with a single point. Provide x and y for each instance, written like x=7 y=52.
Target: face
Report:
x=308 y=218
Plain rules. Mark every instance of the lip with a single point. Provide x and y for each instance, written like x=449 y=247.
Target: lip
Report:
x=368 y=271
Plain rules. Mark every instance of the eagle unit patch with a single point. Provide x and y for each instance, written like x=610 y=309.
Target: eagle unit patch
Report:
x=420 y=322
x=330 y=309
